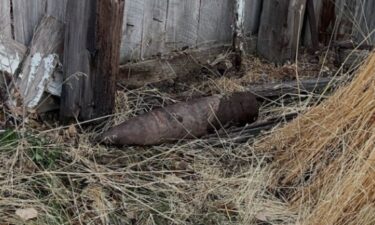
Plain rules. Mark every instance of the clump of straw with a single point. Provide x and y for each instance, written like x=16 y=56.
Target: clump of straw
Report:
x=325 y=159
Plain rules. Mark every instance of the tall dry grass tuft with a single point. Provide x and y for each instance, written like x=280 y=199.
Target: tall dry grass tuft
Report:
x=324 y=161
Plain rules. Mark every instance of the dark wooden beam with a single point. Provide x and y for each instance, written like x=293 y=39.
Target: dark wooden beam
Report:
x=277 y=90
x=91 y=59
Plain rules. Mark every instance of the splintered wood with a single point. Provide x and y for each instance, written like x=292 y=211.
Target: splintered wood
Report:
x=38 y=72
x=11 y=55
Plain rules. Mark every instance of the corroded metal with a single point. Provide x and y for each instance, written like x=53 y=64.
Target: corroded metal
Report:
x=188 y=120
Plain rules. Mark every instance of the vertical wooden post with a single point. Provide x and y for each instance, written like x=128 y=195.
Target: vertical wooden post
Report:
x=238 y=34
x=91 y=57
x=280 y=29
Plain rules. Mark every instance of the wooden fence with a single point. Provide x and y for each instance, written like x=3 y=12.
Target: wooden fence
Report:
x=155 y=28
x=161 y=26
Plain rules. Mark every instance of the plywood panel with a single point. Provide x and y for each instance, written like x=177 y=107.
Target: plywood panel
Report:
x=27 y=15
x=5 y=19
x=215 y=23
x=182 y=24
x=154 y=27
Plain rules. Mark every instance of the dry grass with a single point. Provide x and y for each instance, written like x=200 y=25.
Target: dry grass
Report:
x=324 y=160
x=69 y=180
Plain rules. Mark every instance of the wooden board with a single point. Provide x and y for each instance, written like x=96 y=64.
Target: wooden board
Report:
x=11 y=55
x=5 y=19
x=182 y=24
x=41 y=62
x=253 y=9
x=57 y=9
x=239 y=33
x=215 y=22
x=124 y=44
x=179 y=64
x=280 y=28
x=306 y=30
x=91 y=58
x=365 y=21
x=132 y=40
x=345 y=14
x=154 y=28
x=27 y=15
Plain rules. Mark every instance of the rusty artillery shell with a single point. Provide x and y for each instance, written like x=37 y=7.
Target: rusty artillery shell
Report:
x=187 y=120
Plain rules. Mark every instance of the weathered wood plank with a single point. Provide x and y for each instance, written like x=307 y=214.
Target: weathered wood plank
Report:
x=311 y=16
x=27 y=15
x=132 y=40
x=364 y=22
x=154 y=28
x=253 y=9
x=41 y=62
x=91 y=57
x=277 y=90
x=11 y=55
x=215 y=23
x=182 y=24
x=57 y=9
x=179 y=64
x=239 y=33
x=280 y=29
x=307 y=38
x=124 y=45
x=345 y=14
x=5 y=19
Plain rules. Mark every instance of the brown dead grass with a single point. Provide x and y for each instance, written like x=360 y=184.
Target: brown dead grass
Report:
x=69 y=180
x=322 y=169
x=325 y=160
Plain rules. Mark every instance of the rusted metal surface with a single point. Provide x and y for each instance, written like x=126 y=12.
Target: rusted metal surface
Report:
x=185 y=120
